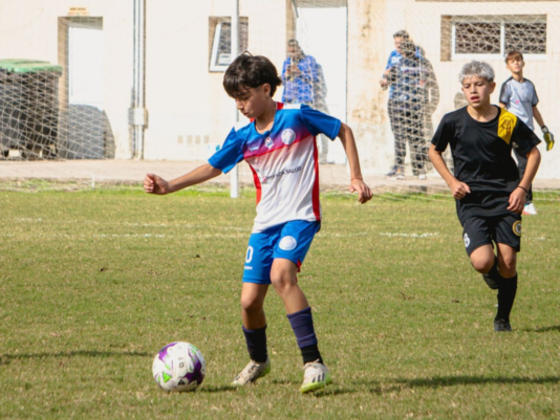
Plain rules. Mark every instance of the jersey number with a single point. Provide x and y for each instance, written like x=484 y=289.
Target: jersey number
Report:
x=249 y=255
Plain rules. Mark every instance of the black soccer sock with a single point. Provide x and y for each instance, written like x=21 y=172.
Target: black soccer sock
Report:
x=311 y=354
x=256 y=344
x=302 y=325
x=493 y=278
x=506 y=297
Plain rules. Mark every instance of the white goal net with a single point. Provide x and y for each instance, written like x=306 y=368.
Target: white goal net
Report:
x=387 y=68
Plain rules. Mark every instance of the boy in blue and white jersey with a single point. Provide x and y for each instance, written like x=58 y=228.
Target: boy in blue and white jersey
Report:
x=519 y=96
x=279 y=144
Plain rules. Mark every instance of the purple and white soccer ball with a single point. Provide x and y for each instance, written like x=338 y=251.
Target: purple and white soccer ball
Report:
x=179 y=367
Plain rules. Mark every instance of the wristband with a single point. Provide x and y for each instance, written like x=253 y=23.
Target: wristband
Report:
x=523 y=188
x=361 y=179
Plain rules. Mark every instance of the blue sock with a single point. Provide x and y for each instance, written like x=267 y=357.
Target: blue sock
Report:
x=302 y=324
x=256 y=344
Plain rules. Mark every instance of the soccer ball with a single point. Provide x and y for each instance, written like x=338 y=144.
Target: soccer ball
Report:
x=179 y=367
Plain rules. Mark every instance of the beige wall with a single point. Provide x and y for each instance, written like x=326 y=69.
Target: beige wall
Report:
x=370 y=28
x=188 y=108
x=189 y=113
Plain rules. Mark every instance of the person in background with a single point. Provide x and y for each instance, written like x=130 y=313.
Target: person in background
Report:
x=304 y=83
x=408 y=106
x=519 y=96
x=398 y=107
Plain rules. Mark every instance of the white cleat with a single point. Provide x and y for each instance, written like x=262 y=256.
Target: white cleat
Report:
x=252 y=372
x=316 y=376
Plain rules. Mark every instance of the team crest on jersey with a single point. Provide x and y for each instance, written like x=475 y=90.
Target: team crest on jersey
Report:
x=269 y=142
x=288 y=136
x=467 y=240
x=517 y=227
x=287 y=243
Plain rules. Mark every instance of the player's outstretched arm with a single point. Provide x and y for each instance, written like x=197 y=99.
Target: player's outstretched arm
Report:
x=517 y=197
x=154 y=184
x=357 y=183
x=458 y=189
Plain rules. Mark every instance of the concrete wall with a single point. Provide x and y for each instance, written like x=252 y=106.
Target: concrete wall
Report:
x=190 y=114
x=370 y=29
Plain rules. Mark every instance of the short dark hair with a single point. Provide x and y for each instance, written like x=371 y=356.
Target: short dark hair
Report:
x=514 y=54
x=250 y=71
x=401 y=34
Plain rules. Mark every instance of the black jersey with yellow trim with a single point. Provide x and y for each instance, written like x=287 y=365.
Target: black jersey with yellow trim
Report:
x=482 y=154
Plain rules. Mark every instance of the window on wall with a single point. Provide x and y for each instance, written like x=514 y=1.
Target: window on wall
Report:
x=220 y=38
x=483 y=36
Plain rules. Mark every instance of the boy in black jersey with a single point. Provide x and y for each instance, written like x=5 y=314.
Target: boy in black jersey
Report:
x=489 y=195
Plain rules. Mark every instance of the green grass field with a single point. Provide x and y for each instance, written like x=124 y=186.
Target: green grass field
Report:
x=94 y=283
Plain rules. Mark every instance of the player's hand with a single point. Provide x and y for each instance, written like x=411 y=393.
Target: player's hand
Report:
x=364 y=192
x=517 y=200
x=154 y=184
x=459 y=189
x=548 y=138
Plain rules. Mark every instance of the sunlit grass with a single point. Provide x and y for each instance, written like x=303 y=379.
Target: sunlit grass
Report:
x=93 y=283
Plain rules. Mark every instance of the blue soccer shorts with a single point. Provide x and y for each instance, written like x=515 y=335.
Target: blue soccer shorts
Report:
x=289 y=240
x=478 y=231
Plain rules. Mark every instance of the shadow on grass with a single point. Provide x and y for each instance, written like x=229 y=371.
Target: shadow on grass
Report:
x=216 y=389
x=6 y=359
x=544 y=329
x=445 y=381
x=396 y=385
x=331 y=391
x=285 y=382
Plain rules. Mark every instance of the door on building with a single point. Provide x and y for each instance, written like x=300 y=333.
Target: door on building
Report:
x=85 y=128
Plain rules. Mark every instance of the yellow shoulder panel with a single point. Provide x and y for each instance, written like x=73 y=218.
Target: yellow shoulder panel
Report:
x=506 y=124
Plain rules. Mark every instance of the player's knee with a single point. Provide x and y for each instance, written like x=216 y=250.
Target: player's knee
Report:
x=482 y=265
x=281 y=280
x=251 y=304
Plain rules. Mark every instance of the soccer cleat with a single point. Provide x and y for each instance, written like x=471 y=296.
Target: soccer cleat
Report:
x=252 y=372
x=491 y=282
x=396 y=172
x=316 y=376
x=501 y=325
x=530 y=209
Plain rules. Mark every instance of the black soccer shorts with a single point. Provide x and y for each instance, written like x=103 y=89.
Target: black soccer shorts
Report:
x=478 y=231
